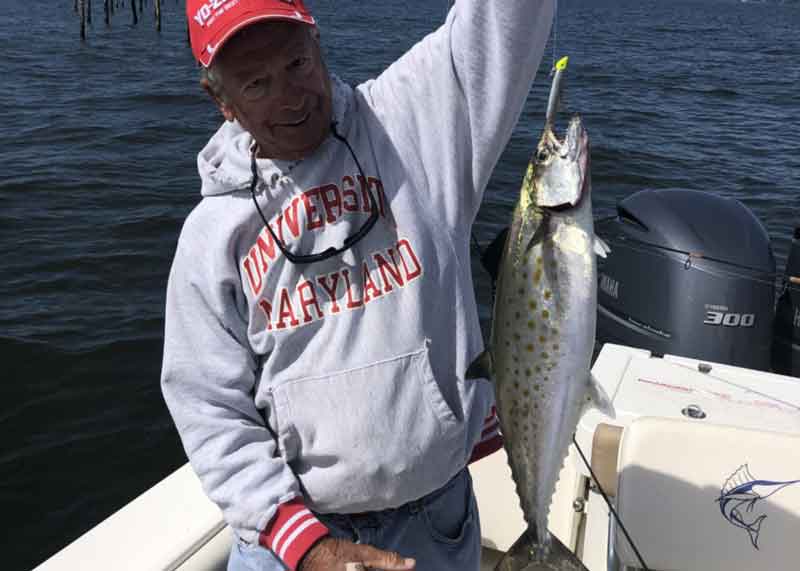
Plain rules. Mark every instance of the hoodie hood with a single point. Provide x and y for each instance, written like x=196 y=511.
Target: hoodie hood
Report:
x=224 y=163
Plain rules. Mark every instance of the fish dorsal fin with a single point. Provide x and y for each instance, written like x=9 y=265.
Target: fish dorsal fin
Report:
x=741 y=476
x=481 y=367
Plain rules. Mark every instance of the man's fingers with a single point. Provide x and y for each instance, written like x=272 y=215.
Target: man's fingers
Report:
x=372 y=557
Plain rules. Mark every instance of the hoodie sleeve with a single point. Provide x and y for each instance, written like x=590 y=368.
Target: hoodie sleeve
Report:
x=208 y=379
x=450 y=104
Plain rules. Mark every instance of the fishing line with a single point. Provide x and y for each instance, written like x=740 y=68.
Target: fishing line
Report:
x=610 y=507
x=555 y=33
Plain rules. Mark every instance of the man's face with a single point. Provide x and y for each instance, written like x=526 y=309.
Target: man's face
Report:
x=277 y=87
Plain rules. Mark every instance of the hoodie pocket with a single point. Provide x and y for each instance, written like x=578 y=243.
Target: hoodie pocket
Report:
x=371 y=437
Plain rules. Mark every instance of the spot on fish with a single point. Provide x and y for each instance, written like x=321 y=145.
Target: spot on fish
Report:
x=518 y=315
x=538 y=369
x=532 y=304
x=521 y=291
x=526 y=392
x=545 y=355
x=527 y=372
x=542 y=339
x=537 y=387
x=545 y=314
x=547 y=294
x=539 y=260
x=537 y=276
x=555 y=346
x=516 y=337
x=531 y=324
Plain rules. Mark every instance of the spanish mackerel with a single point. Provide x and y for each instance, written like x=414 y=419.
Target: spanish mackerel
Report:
x=543 y=330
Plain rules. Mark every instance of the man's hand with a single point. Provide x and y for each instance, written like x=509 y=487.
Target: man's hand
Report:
x=331 y=554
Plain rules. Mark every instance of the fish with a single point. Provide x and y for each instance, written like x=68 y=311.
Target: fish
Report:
x=543 y=327
x=739 y=495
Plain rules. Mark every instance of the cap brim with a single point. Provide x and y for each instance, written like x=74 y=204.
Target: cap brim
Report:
x=212 y=48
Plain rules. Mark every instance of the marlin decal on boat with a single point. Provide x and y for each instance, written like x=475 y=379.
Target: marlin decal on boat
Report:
x=739 y=495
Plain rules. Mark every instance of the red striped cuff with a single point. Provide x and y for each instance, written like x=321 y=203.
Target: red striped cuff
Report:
x=292 y=532
x=491 y=437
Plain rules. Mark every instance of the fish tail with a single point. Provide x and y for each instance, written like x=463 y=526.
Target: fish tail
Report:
x=529 y=553
x=754 y=529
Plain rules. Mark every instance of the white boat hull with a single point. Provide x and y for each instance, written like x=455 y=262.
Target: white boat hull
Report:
x=173 y=526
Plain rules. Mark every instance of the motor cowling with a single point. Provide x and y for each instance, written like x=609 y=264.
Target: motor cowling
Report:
x=690 y=273
x=786 y=340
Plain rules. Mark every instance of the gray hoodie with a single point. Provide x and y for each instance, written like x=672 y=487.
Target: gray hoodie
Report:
x=339 y=386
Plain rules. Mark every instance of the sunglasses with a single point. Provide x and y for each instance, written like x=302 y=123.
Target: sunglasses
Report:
x=349 y=242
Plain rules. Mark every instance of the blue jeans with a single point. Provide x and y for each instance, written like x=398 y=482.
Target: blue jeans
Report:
x=441 y=531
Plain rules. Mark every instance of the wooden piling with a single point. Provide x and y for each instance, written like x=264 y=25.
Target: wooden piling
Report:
x=157 y=5
x=82 y=15
x=135 y=16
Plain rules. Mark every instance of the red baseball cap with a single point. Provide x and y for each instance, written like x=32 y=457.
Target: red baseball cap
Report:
x=212 y=22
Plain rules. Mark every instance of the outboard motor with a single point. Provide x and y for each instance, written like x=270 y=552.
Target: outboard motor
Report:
x=690 y=274
x=786 y=341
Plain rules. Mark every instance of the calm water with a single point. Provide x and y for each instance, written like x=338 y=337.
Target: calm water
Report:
x=98 y=144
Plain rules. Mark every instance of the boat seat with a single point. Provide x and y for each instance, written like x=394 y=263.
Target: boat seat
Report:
x=697 y=496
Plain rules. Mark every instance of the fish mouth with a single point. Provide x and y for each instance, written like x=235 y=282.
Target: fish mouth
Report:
x=563 y=167
x=574 y=141
x=577 y=145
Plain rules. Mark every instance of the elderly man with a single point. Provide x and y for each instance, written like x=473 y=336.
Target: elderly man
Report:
x=320 y=309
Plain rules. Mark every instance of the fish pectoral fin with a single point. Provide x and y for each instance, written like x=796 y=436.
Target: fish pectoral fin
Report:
x=541 y=231
x=598 y=397
x=601 y=248
x=481 y=367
